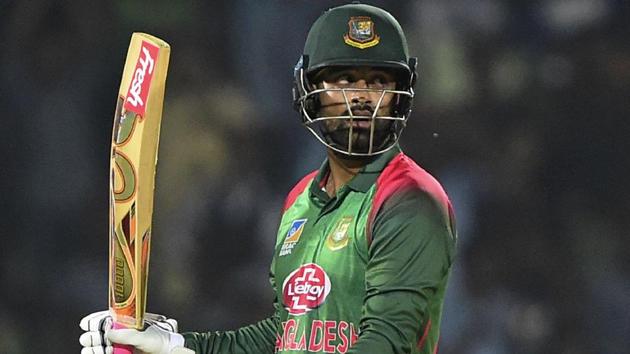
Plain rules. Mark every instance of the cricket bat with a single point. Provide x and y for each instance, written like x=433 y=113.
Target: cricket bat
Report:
x=132 y=178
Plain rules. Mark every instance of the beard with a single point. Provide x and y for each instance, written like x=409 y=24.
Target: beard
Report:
x=337 y=132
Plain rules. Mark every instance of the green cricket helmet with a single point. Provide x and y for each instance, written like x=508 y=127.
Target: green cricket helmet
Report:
x=355 y=35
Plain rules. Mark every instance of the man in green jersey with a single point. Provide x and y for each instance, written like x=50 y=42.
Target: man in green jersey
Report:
x=366 y=242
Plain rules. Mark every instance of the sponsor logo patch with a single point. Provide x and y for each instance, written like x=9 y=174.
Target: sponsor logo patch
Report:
x=339 y=237
x=361 y=33
x=293 y=236
x=305 y=289
x=141 y=80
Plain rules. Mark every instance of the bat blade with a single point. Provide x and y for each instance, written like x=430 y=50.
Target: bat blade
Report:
x=133 y=161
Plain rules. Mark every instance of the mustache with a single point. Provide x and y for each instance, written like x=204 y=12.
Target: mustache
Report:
x=354 y=107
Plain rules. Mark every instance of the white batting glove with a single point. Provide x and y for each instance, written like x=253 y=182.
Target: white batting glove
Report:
x=159 y=337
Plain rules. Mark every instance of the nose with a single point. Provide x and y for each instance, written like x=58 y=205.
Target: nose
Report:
x=360 y=96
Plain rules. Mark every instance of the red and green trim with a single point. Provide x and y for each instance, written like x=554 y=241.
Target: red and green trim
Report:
x=403 y=174
x=298 y=189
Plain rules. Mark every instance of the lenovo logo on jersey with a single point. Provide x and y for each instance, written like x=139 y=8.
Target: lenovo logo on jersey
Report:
x=141 y=80
x=305 y=288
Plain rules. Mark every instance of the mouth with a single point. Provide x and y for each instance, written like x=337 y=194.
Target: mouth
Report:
x=362 y=113
x=362 y=118
x=361 y=123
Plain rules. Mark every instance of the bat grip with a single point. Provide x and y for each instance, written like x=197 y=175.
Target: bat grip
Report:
x=121 y=348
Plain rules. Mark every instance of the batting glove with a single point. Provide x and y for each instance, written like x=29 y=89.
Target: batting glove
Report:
x=159 y=336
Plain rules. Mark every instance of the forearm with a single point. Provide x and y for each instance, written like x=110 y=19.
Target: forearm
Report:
x=387 y=329
x=253 y=339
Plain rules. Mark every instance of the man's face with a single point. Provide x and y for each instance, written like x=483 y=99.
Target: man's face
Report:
x=356 y=103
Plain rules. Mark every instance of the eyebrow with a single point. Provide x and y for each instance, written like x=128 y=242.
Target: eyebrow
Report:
x=332 y=74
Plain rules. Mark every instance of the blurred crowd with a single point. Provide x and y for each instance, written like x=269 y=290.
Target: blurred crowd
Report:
x=520 y=112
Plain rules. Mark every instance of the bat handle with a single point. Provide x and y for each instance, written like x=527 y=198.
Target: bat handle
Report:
x=120 y=348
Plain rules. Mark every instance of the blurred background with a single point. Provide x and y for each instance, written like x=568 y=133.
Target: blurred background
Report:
x=521 y=112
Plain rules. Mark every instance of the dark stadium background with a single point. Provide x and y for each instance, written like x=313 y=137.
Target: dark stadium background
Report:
x=521 y=112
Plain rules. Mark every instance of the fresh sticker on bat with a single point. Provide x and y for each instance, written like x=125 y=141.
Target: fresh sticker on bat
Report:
x=141 y=79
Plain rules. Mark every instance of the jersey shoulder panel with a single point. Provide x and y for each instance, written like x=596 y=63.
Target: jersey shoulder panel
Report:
x=403 y=175
x=298 y=189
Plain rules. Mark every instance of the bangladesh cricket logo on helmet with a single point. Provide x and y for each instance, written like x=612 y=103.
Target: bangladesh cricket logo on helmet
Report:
x=356 y=35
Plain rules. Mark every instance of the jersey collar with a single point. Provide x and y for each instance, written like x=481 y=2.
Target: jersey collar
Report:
x=363 y=181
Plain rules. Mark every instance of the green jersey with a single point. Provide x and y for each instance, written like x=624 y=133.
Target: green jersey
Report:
x=362 y=272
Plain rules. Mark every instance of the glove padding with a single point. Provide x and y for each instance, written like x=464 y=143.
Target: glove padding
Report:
x=159 y=336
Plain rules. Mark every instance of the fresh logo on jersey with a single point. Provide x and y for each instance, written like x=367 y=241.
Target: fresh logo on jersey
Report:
x=339 y=237
x=361 y=33
x=305 y=289
x=293 y=236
